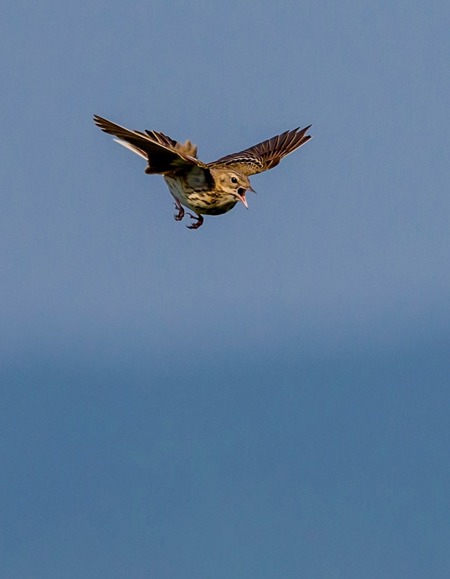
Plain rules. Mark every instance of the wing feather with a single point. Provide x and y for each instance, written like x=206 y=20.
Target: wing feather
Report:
x=265 y=155
x=164 y=155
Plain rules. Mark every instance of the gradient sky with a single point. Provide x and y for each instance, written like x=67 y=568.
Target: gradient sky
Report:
x=267 y=396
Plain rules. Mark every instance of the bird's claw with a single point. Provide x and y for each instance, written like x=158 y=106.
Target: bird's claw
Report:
x=179 y=216
x=198 y=222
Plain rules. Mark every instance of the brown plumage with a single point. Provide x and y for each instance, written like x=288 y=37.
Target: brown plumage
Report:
x=205 y=188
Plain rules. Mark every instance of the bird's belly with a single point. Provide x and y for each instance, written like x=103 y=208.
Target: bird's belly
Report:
x=202 y=202
x=177 y=190
x=219 y=209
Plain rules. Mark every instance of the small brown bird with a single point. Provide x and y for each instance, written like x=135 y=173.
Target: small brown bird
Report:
x=205 y=188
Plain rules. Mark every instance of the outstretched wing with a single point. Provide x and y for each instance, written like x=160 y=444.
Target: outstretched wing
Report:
x=265 y=155
x=164 y=155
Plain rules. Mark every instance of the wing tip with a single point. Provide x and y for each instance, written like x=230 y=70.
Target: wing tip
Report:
x=102 y=123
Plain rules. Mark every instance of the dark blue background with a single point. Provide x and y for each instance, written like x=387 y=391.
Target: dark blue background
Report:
x=267 y=396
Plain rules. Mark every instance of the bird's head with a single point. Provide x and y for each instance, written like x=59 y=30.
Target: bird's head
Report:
x=234 y=185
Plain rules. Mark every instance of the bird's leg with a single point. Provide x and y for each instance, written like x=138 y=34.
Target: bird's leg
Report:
x=197 y=224
x=178 y=216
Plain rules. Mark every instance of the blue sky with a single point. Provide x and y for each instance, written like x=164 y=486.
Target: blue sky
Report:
x=266 y=396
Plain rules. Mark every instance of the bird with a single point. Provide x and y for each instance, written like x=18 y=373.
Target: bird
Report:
x=204 y=188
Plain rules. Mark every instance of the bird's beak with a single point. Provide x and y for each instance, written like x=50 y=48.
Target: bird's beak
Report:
x=250 y=188
x=241 y=196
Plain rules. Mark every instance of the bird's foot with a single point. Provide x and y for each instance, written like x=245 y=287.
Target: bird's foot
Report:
x=179 y=216
x=197 y=223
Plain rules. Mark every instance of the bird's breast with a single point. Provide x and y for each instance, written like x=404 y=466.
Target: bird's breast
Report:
x=204 y=202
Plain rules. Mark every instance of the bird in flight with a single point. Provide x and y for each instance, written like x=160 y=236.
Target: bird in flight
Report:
x=204 y=188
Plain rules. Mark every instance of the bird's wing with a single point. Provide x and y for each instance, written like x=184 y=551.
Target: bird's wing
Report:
x=164 y=155
x=265 y=155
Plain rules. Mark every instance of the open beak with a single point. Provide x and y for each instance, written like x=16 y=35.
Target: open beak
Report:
x=241 y=195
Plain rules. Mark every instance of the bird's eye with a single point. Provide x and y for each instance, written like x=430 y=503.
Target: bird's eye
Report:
x=234 y=180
